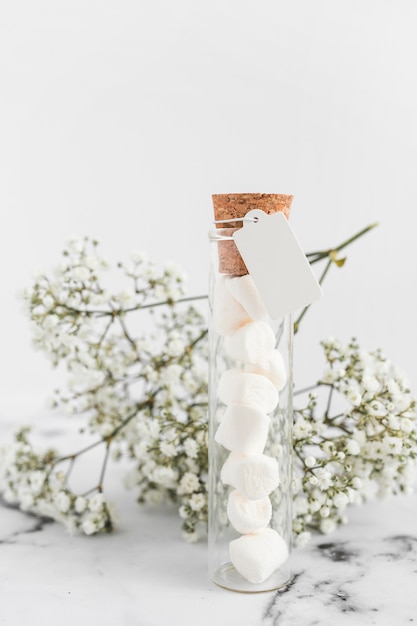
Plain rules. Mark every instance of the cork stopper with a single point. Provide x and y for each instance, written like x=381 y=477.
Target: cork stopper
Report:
x=236 y=205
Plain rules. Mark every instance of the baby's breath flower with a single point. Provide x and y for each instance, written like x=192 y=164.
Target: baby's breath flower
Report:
x=183 y=511
x=96 y=502
x=89 y=525
x=354 y=397
x=353 y=447
x=154 y=496
x=175 y=347
x=303 y=538
x=81 y=273
x=324 y=511
x=191 y=447
x=369 y=449
x=324 y=478
x=190 y=537
x=376 y=408
x=167 y=448
x=328 y=525
x=37 y=480
x=62 y=501
x=370 y=383
x=80 y=504
x=189 y=483
x=197 y=501
x=340 y=500
x=144 y=396
x=165 y=476
x=310 y=461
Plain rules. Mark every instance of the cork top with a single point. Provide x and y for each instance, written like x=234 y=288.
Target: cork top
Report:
x=237 y=205
x=232 y=205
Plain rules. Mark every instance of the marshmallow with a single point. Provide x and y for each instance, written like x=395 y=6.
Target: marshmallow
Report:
x=243 y=429
x=244 y=290
x=255 y=475
x=254 y=390
x=247 y=516
x=256 y=556
x=228 y=314
x=250 y=343
x=272 y=366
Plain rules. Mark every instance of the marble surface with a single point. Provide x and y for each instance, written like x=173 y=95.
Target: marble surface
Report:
x=146 y=575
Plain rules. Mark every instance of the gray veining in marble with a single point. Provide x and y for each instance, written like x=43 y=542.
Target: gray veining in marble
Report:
x=145 y=575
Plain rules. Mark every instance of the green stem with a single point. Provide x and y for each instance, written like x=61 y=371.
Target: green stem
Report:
x=199 y=338
x=305 y=389
x=355 y=237
x=319 y=255
x=108 y=438
x=341 y=426
x=104 y=466
x=304 y=311
x=151 y=306
x=329 y=402
x=127 y=335
x=117 y=312
x=314 y=257
x=100 y=341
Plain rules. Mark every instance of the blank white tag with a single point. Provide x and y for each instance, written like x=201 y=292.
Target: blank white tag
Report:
x=277 y=263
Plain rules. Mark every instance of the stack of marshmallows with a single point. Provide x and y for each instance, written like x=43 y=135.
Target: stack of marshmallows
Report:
x=250 y=392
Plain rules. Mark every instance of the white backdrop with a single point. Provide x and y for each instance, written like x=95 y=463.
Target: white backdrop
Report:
x=120 y=118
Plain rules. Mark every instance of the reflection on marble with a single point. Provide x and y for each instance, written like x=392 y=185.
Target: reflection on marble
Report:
x=145 y=575
x=364 y=573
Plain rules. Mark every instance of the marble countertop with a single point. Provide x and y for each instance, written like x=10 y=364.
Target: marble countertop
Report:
x=144 y=574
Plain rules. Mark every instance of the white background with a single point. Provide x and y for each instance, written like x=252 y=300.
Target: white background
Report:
x=120 y=118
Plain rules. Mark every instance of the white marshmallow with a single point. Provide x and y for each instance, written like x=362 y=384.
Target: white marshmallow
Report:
x=244 y=290
x=228 y=314
x=272 y=366
x=243 y=429
x=247 y=516
x=250 y=343
x=255 y=475
x=256 y=556
x=254 y=390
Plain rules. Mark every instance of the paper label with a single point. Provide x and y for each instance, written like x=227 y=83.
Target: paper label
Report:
x=277 y=263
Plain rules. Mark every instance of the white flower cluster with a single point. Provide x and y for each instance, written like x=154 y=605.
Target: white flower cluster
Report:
x=362 y=444
x=78 y=320
x=140 y=381
x=33 y=481
x=138 y=375
x=168 y=443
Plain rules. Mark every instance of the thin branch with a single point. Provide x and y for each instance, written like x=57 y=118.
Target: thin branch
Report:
x=107 y=438
x=117 y=312
x=329 y=401
x=319 y=255
x=298 y=392
x=199 y=338
x=104 y=466
x=314 y=257
x=355 y=237
x=74 y=455
x=110 y=322
x=69 y=470
x=126 y=333
x=170 y=302
x=304 y=311
x=322 y=254
x=335 y=417
x=340 y=426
